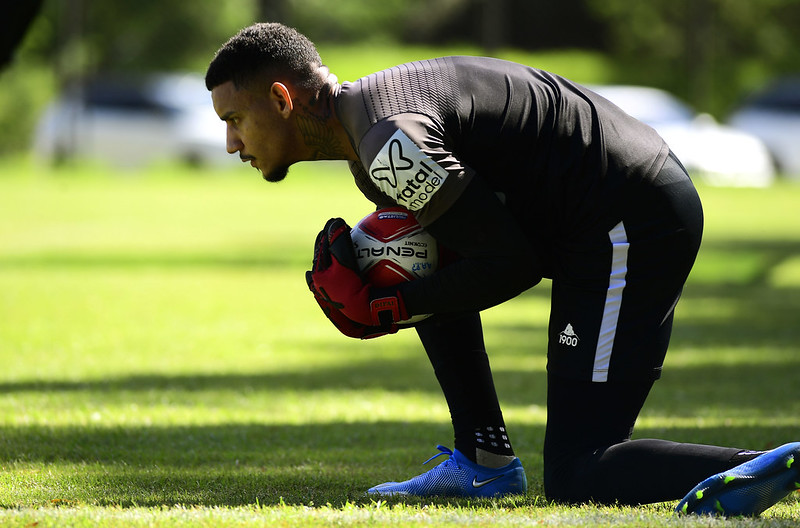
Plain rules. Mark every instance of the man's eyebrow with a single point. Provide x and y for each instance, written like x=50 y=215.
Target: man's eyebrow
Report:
x=227 y=115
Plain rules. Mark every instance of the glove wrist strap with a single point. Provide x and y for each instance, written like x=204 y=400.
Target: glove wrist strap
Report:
x=387 y=308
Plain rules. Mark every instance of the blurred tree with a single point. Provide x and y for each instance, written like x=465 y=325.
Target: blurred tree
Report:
x=272 y=10
x=73 y=39
x=707 y=51
x=528 y=24
x=351 y=20
x=494 y=24
x=525 y=24
x=87 y=36
x=17 y=17
x=703 y=50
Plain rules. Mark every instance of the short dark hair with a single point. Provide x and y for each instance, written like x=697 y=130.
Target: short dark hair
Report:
x=266 y=48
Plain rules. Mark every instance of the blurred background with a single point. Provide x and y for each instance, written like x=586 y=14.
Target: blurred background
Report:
x=121 y=81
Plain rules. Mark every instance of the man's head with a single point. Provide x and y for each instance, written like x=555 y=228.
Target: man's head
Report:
x=254 y=80
x=266 y=51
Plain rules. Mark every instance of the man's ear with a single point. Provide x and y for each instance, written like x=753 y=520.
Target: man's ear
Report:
x=280 y=95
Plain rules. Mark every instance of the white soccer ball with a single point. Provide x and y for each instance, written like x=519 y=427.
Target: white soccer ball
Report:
x=391 y=247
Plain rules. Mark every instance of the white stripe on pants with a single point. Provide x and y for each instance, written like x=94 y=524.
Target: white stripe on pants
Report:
x=616 y=285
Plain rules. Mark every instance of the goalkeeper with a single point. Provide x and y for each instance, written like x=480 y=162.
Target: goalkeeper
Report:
x=524 y=175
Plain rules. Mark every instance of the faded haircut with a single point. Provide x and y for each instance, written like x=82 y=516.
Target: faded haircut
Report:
x=265 y=50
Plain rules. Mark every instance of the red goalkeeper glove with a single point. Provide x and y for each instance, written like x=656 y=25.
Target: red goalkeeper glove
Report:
x=345 y=325
x=337 y=284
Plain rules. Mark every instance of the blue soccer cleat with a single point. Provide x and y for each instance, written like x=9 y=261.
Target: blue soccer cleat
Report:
x=749 y=488
x=460 y=477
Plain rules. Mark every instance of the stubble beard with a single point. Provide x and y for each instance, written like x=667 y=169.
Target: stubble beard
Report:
x=276 y=175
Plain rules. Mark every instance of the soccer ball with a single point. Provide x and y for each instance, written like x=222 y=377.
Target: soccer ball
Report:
x=391 y=247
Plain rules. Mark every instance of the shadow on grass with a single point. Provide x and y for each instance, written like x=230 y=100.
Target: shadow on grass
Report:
x=760 y=389
x=754 y=260
x=239 y=464
x=217 y=465
x=759 y=258
x=740 y=316
x=289 y=257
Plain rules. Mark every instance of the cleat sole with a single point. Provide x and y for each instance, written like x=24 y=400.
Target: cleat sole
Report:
x=755 y=486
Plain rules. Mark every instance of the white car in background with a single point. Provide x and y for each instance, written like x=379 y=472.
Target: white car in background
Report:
x=131 y=122
x=718 y=154
x=773 y=115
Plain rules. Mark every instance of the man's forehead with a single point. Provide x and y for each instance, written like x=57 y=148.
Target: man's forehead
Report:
x=224 y=90
x=223 y=96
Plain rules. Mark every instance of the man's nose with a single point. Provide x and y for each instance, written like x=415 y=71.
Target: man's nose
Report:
x=233 y=142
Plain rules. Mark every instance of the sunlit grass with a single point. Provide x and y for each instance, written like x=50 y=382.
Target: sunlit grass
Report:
x=164 y=363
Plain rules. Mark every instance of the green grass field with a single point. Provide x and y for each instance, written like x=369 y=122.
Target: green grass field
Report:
x=165 y=365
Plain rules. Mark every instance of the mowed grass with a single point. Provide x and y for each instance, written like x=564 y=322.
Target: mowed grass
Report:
x=165 y=365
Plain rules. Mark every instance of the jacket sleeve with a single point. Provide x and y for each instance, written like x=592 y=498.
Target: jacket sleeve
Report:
x=495 y=263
